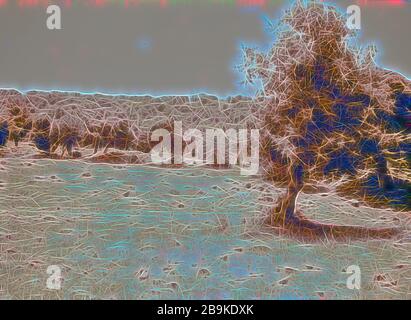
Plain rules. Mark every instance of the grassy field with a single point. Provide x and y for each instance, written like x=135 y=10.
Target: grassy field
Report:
x=140 y=232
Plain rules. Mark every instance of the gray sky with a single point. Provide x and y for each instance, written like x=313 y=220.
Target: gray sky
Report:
x=179 y=49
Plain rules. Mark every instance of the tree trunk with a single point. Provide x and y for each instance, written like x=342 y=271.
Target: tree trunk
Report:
x=291 y=221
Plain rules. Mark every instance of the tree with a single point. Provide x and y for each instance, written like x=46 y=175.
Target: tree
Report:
x=330 y=113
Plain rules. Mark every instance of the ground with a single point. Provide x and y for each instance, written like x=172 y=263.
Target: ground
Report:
x=141 y=232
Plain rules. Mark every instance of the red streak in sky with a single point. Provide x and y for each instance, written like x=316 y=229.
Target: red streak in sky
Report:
x=259 y=3
x=392 y=3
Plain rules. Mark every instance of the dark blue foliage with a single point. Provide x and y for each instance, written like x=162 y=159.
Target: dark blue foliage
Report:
x=70 y=141
x=318 y=77
x=341 y=161
x=401 y=119
x=298 y=174
x=293 y=111
x=300 y=142
x=391 y=122
x=346 y=119
x=403 y=110
x=363 y=98
x=320 y=123
x=42 y=143
x=403 y=102
x=4 y=133
x=405 y=147
x=277 y=157
x=335 y=93
x=307 y=156
x=369 y=147
x=400 y=150
x=396 y=191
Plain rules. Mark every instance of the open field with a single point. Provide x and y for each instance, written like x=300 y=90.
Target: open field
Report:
x=147 y=232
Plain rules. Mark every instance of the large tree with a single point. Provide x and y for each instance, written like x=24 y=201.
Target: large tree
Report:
x=330 y=114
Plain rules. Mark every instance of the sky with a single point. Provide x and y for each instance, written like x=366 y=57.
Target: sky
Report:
x=162 y=47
